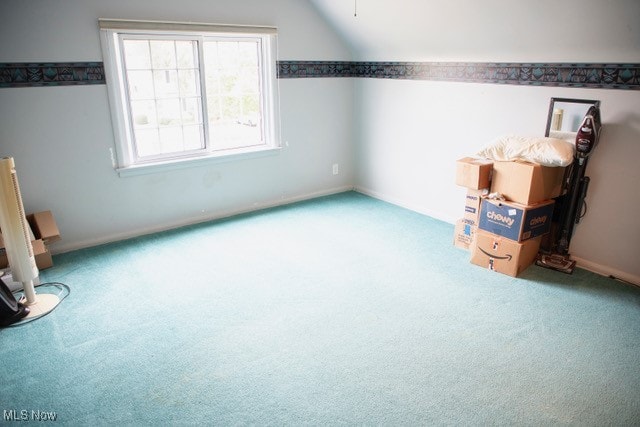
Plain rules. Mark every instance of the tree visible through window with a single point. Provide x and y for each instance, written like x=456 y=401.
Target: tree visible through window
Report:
x=233 y=92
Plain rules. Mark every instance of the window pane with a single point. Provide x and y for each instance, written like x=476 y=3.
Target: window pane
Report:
x=141 y=84
x=248 y=54
x=230 y=108
x=188 y=82
x=211 y=54
x=169 y=112
x=191 y=111
x=233 y=93
x=186 y=55
x=213 y=108
x=166 y=83
x=147 y=142
x=212 y=83
x=249 y=81
x=136 y=54
x=228 y=54
x=193 y=139
x=229 y=81
x=171 y=140
x=144 y=114
x=251 y=107
x=163 y=54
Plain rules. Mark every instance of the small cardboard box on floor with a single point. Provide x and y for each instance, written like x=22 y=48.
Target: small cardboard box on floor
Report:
x=526 y=183
x=45 y=231
x=503 y=255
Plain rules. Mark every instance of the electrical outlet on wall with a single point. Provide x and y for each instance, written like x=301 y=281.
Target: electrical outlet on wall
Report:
x=336 y=169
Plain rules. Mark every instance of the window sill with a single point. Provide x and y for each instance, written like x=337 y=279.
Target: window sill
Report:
x=185 y=163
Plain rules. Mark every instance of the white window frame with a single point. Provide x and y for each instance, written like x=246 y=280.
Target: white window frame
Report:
x=124 y=160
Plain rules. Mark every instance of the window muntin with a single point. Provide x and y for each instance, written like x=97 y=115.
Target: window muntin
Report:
x=184 y=94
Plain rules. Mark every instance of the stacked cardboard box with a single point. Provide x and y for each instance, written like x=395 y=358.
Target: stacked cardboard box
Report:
x=508 y=232
x=44 y=231
x=475 y=175
x=466 y=226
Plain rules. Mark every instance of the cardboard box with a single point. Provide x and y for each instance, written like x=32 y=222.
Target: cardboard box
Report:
x=503 y=255
x=42 y=254
x=525 y=182
x=45 y=231
x=474 y=173
x=463 y=234
x=44 y=226
x=515 y=221
x=472 y=204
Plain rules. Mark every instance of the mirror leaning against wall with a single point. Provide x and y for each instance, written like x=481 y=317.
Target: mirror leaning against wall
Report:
x=565 y=117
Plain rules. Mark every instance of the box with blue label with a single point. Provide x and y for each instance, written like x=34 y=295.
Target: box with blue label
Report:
x=515 y=221
x=463 y=234
x=472 y=205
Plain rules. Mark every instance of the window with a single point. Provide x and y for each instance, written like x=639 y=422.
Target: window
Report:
x=189 y=91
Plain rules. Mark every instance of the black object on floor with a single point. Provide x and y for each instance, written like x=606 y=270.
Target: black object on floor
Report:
x=11 y=310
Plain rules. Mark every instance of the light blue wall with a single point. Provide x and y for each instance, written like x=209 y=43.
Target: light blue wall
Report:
x=409 y=133
x=61 y=137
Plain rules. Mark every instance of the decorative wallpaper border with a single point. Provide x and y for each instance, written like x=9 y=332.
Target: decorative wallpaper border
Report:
x=606 y=76
x=51 y=74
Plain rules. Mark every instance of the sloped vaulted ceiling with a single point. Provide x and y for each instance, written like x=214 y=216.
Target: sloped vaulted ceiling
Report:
x=487 y=30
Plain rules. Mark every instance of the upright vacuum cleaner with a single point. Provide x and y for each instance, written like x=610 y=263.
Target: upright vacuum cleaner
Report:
x=572 y=206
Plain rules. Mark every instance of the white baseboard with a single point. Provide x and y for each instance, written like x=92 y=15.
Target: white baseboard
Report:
x=60 y=247
x=607 y=271
x=405 y=204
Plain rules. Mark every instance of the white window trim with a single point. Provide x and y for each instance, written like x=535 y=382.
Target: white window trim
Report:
x=187 y=162
x=124 y=162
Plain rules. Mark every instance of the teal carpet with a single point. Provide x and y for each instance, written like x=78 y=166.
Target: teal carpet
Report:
x=343 y=310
